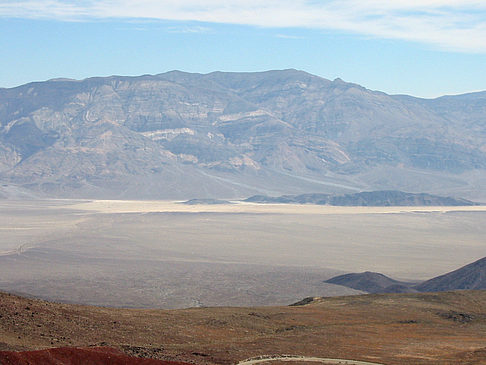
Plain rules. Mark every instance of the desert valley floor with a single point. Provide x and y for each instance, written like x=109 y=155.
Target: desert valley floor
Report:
x=159 y=254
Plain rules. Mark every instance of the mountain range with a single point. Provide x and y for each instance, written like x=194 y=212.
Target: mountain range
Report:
x=366 y=198
x=469 y=277
x=227 y=135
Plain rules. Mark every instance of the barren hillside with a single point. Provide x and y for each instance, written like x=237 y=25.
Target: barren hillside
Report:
x=435 y=328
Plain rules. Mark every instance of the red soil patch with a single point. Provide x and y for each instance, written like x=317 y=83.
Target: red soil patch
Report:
x=77 y=356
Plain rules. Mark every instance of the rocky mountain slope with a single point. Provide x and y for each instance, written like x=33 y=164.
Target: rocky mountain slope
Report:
x=472 y=276
x=182 y=135
x=469 y=277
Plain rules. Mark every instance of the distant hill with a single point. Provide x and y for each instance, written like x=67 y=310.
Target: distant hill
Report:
x=372 y=198
x=371 y=282
x=177 y=135
x=291 y=199
x=470 y=277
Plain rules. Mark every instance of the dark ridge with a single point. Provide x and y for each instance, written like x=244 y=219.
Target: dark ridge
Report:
x=304 y=301
x=371 y=282
x=372 y=198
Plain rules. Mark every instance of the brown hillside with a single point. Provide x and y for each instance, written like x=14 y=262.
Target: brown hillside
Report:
x=432 y=328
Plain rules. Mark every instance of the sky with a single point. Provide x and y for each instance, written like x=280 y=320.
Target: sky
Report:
x=425 y=48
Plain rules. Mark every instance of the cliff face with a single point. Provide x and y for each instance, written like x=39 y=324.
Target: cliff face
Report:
x=233 y=134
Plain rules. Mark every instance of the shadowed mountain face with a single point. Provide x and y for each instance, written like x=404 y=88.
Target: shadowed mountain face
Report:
x=472 y=276
x=469 y=277
x=181 y=135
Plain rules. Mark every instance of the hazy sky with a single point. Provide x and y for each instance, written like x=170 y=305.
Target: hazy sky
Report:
x=419 y=47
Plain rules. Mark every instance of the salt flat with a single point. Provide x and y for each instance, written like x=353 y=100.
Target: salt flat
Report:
x=167 y=254
x=146 y=206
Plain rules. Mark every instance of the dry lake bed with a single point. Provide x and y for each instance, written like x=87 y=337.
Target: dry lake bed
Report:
x=169 y=255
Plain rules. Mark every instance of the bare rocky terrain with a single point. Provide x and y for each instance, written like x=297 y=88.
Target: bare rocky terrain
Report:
x=232 y=135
